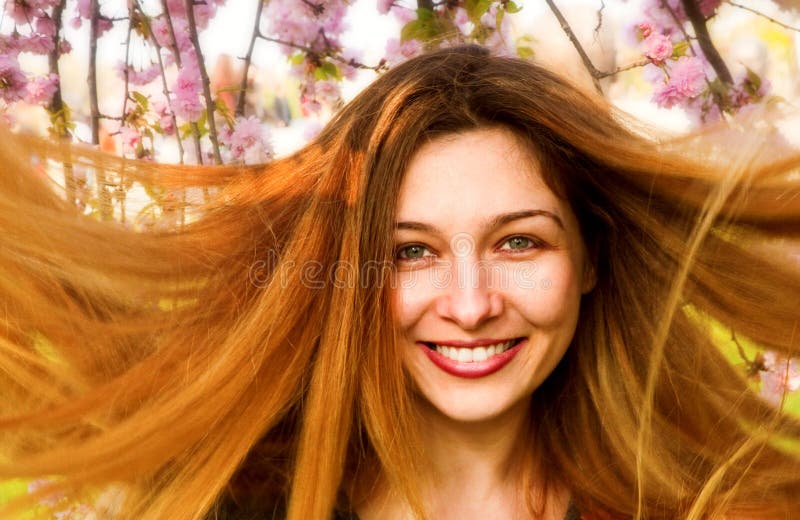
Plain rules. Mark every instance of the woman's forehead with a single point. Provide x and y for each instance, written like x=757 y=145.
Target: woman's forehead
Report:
x=479 y=171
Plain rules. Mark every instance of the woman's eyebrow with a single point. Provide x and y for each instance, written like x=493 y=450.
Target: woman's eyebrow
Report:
x=505 y=218
x=491 y=223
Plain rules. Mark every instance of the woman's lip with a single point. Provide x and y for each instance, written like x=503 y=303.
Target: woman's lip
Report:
x=471 y=344
x=473 y=369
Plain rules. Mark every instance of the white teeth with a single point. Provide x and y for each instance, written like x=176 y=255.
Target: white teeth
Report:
x=468 y=355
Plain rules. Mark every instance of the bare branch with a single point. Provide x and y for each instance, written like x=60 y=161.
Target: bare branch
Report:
x=640 y=63
x=163 y=74
x=577 y=44
x=56 y=106
x=311 y=52
x=247 y=59
x=704 y=40
x=212 y=127
x=93 y=103
x=599 y=19
x=759 y=13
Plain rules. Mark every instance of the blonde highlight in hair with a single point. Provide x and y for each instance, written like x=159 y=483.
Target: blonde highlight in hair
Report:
x=220 y=365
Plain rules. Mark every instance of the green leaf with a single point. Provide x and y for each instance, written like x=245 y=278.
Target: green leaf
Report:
x=141 y=100
x=331 y=70
x=512 y=8
x=477 y=8
x=753 y=83
x=424 y=14
x=679 y=49
x=525 y=52
x=425 y=27
x=297 y=59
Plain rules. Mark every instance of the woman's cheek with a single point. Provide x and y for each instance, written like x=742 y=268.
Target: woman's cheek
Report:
x=549 y=297
x=412 y=294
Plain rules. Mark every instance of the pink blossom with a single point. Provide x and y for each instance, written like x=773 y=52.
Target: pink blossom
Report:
x=489 y=18
x=131 y=138
x=249 y=141
x=41 y=90
x=327 y=91
x=667 y=96
x=138 y=77
x=186 y=103
x=23 y=11
x=13 y=84
x=103 y=25
x=176 y=8
x=64 y=47
x=645 y=29
x=657 y=47
x=85 y=8
x=688 y=76
x=384 y=6
x=46 y=26
x=75 y=22
x=397 y=52
x=187 y=106
x=462 y=21
x=350 y=56
x=203 y=13
x=160 y=29
x=8 y=46
x=404 y=14
x=165 y=120
x=36 y=44
x=781 y=376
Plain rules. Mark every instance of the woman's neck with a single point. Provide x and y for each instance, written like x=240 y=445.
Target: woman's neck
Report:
x=475 y=470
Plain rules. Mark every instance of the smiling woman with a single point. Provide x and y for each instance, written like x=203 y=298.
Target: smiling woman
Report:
x=522 y=332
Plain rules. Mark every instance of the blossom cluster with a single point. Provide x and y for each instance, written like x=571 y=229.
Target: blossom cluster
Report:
x=36 y=33
x=679 y=70
x=451 y=23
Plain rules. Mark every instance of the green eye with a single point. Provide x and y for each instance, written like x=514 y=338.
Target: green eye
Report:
x=412 y=252
x=519 y=242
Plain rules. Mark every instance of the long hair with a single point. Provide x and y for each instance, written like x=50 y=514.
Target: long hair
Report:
x=248 y=356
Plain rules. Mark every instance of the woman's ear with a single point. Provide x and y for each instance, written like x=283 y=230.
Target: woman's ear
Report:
x=589 y=277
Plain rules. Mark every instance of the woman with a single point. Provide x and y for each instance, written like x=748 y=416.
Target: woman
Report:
x=477 y=294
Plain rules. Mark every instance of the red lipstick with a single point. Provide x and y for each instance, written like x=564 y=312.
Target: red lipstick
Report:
x=473 y=369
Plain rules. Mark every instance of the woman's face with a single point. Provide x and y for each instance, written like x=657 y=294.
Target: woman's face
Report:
x=490 y=271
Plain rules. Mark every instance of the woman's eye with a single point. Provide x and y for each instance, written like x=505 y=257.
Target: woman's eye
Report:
x=519 y=243
x=412 y=252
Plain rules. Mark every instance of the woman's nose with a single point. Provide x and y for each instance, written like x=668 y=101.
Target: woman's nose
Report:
x=469 y=299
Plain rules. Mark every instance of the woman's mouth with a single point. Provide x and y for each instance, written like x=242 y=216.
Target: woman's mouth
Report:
x=474 y=360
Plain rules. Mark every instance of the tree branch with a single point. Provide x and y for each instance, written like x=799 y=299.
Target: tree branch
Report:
x=56 y=106
x=247 y=59
x=93 y=103
x=595 y=74
x=759 y=13
x=212 y=127
x=163 y=75
x=311 y=52
x=704 y=40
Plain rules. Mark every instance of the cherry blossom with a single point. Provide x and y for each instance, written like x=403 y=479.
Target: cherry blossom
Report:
x=248 y=141
x=657 y=47
x=41 y=90
x=186 y=103
x=130 y=138
x=397 y=52
x=781 y=375
x=13 y=83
